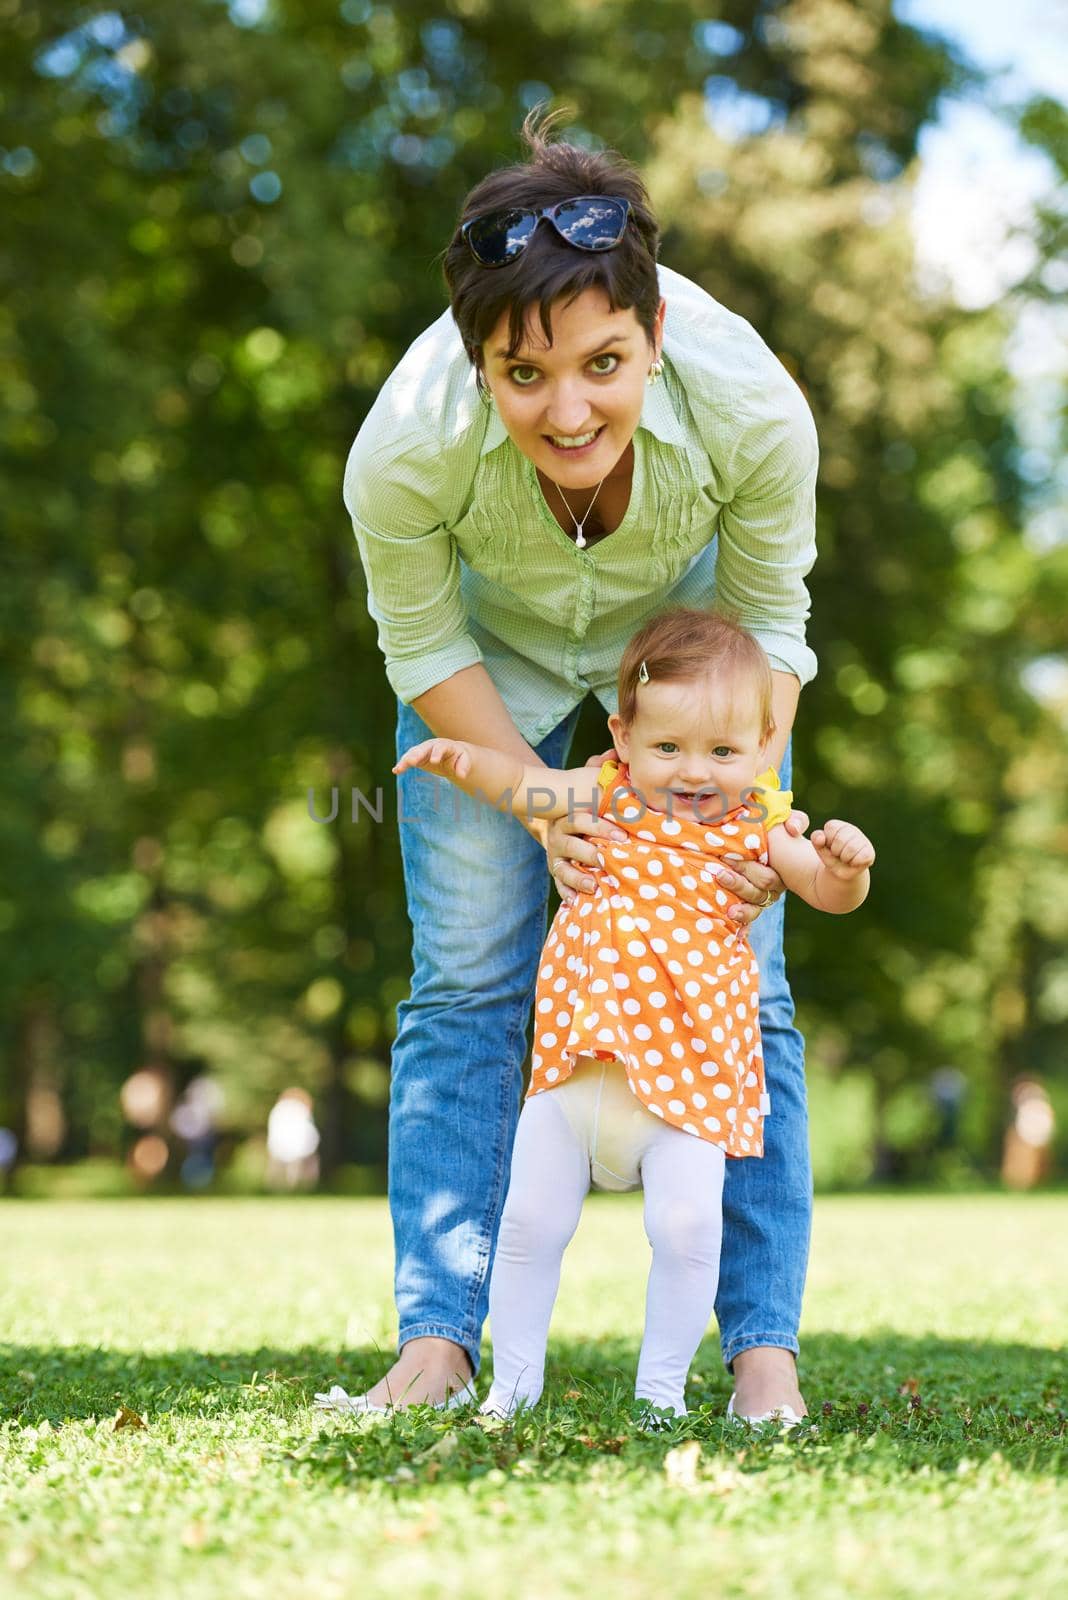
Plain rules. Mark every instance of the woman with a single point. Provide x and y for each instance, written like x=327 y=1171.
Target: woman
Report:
x=524 y=494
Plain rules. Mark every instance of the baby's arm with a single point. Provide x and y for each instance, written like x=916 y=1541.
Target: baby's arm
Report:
x=830 y=870
x=503 y=781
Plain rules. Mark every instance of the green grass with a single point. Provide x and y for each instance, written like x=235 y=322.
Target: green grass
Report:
x=933 y=1362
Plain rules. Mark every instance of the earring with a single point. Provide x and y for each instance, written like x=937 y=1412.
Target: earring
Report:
x=656 y=370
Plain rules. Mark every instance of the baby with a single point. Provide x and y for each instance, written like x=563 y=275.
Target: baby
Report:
x=646 y=1063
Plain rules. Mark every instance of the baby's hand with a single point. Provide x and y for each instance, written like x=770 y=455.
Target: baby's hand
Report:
x=437 y=755
x=843 y=849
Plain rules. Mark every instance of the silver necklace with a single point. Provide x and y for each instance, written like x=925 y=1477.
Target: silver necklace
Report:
x=579 y=539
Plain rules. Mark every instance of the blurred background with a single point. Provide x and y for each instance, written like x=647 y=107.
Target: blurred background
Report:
x=221 y=224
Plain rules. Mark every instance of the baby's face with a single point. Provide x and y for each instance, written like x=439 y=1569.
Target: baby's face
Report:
x=687 y=737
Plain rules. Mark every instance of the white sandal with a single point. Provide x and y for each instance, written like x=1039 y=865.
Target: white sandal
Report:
x=785 y=1416
x=338 y=1399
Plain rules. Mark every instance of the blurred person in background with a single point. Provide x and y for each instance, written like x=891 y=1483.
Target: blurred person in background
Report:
x=292 y=1142
x=1028 y=1147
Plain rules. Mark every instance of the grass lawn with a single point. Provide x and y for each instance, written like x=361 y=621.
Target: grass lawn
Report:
x=936 y=1463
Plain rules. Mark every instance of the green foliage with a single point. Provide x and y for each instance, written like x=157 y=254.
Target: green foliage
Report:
x=223 y=229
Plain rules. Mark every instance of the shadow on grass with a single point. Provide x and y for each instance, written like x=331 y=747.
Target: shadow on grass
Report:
x=909 y=1403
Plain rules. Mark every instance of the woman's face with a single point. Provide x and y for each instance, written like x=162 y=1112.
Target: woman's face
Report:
x=572 y=406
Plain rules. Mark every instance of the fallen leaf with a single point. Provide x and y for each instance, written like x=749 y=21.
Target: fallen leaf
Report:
x=681 y=1465
x=910 y=1386
x=128 y=1419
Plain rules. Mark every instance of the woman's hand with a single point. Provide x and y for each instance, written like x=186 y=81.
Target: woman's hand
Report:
x=570 y=845
x=444 y=756
x=759 y=886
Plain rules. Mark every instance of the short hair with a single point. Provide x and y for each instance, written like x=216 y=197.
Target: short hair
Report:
x=685 y=645
x=549 y=269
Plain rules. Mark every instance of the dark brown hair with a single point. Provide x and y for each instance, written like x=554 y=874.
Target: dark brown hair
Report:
x=686 y=645
x=549 y=269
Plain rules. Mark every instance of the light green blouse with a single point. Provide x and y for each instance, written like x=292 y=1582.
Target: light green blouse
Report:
x=465 y=562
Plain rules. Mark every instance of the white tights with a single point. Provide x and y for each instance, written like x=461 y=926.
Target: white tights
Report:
x=682 y=1177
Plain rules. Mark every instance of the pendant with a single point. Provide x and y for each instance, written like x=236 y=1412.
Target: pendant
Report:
x=579 y=540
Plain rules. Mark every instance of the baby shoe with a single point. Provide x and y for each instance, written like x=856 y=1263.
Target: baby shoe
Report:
x=337 y=1399
x=785 y=1416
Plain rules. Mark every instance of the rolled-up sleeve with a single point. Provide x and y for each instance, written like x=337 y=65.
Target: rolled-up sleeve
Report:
x=767 y=536
x=395 y=495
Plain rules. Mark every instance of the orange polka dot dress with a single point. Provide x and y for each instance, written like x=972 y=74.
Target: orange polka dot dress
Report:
x=650 y=970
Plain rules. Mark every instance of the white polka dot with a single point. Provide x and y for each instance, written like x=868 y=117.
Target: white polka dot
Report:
x=750 y=1082
x=598 y=986
x=631 y=1007
x=548 y=1040
x=666 y=1025
x=642 y=1030
x=699 y=1100
x=563 y=1019
x=535 y=1060
x=721 y=1091
x=647 y=974
x=636 y=948
x=704 y=1012
x=678 y=1052
x=659 y=945
x=741 y=1011
x=552 y=1073
x=666 y=913
x=734 y=987
x=545 y=1005
x=560 y=985
x=676 y=1107
x=721 y=898
x=670 y=826
x=653 y=1058
x=688 y=1127
x=686 y=1075
x=721 y=999
x=680 y=936
x=631 y=873
x=606 y=1036
x=688 y=883
x=608 y=954
x=655 y=868
x=657 y=999
x=703 y=925
x=621 y=980
x=664 y=1082
x=655 y=1109
x=732 y=1113
x=645 y=1086
x=691 y=988
x=546 y=971
x=712 y=1124
x=649 y=891
x=752 y=841
x=559 y=950
x=642 y=923
x=611 y=1007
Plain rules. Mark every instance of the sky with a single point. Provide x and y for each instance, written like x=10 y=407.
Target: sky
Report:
x=978 y=180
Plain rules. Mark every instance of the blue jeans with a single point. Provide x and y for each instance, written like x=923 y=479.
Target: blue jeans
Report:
x=477 y=891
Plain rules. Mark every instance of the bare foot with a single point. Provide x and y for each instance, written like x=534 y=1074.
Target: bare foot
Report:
x=764 y=1380
x=426 y=1369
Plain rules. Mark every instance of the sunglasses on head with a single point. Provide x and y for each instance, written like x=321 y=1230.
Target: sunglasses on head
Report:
x=589 y=222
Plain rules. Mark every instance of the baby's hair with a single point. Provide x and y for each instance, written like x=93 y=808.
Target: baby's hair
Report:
x=685 y=646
